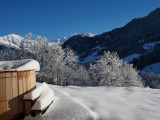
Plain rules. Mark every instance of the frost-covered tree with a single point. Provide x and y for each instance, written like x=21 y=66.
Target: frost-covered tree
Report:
x=131 y=76
x=111 y=71
x=22 y=51
x=81 y=76
x=55 y=63
x=151 y=80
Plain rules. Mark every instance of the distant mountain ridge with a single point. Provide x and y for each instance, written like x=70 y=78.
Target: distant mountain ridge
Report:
x=13 y=40
x=133 y=38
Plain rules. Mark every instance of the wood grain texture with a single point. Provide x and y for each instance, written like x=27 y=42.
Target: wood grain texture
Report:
x=9 y=89
x=20 y=84
x=20 y=106
x=15 y=84
x=10 y=110
x=29 y=81
x=15 y=107
x=2 y=86
x=28 y=107
x=3 y=110
x=24 y=81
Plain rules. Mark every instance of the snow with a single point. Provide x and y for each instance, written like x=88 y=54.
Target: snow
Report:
x=150 y=46
x=96 y=48
x=19 y=65
x=60 y=41
x=91 y=57
x=44 y=94
x=154 y=68
x=12 y=39
x=131 y=57
x=88 y=34
x=35 y=93
x=107 y=36
x=102 y=103
x=141 y=41
x=46 y=98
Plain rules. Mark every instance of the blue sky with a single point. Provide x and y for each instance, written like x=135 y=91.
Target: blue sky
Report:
x=59 y=18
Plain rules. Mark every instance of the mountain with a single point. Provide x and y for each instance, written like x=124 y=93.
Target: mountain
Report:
x=61 y=40
x=141 y=37
x=64 y=39
x=13 y=40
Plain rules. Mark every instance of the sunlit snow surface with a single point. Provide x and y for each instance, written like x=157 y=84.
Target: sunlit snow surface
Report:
x=102 y=103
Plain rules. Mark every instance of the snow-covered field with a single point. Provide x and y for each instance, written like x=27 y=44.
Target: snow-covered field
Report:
x=102 y=103
x=154 y=68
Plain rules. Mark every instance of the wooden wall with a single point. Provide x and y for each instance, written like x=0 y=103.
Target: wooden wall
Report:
x=13 y=85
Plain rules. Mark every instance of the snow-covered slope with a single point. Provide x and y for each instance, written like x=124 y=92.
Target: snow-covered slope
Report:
x=87 y=34
x=12 y=39
x=150 y=46
x=131 y=57
x=154 y=68
x=102 y=103
x=90 y=58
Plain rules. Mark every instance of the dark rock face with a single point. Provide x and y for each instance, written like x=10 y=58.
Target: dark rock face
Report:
x=125 y=41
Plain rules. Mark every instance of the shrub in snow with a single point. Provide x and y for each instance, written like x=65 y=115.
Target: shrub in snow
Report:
x=111 y=71
x=151 y=80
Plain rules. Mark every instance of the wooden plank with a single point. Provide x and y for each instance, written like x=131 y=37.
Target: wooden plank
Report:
x=3 y=110
x=15 y=84
x=20 y=106
x=20 y=84
x=34 y=75
x=28 y=105
x=24 y=81
x=10 y=109
x=9 y=89
x=2 y=86
x=33 y=79
x=36 y=112
x=15 y=107
x=29 y=81
x=31 y=74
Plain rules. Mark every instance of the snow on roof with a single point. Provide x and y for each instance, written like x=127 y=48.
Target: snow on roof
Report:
x=19 y=65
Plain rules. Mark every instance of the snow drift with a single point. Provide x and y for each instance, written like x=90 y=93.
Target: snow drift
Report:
x=44 y=94
x=102 y=103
